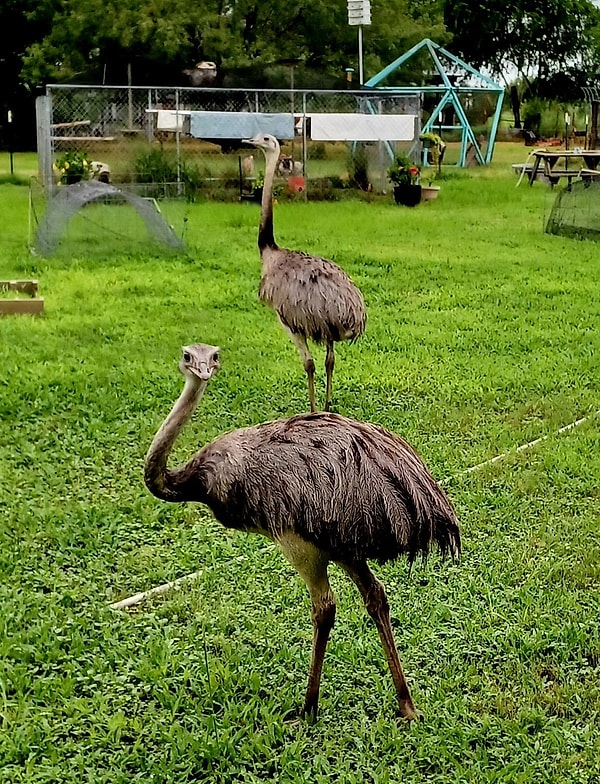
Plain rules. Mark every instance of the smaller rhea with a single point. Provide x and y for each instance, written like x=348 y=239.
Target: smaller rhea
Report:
x=313 y=297
x=322 y=487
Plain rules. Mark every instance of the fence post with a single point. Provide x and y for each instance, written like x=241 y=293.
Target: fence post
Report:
x=43 y=112
x=304 y=146
x=178 y=142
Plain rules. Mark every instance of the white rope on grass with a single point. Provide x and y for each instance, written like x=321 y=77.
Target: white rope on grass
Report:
x=137 y=598
x=159 y=589
x=523 y=447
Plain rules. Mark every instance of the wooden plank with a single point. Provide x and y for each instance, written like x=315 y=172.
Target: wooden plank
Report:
x=31 y=307
x=589 y=174
x=562 y=173
x=71 y=124
x=84 y=138
x=29 y=287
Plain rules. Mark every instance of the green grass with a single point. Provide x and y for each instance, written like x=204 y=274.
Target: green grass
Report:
x=482 y=335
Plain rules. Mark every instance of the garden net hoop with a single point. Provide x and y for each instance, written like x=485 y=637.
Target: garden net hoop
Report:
x=576 y=211
x=70 y=200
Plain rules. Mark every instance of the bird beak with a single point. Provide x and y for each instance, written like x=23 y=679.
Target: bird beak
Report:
x=203 y=372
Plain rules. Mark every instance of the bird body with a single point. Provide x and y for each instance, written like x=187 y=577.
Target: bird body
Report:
x=313 y=297
x=324 y=488
x=305 y=292
x=321 y=463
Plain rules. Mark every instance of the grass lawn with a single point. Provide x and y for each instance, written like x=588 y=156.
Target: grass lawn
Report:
x=482 y=335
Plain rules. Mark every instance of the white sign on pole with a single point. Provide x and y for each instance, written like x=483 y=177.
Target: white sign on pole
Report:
x=359 y=12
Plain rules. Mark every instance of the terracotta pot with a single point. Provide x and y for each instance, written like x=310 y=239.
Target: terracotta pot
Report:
x=408 y=195
x=429 y=192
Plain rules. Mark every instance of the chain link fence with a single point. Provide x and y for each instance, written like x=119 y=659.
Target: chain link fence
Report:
x=164 y=141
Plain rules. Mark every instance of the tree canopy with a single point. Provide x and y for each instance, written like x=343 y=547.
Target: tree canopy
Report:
x=544 y=44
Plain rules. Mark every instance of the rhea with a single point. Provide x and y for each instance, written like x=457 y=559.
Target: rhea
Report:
x=313 y=297
x=322 y=487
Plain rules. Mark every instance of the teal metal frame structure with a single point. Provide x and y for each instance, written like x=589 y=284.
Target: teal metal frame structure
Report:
x=450 y=95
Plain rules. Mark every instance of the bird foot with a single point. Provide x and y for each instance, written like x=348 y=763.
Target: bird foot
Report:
x=293 y=718
x=408 y=712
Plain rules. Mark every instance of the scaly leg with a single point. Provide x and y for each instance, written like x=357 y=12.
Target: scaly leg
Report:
x=311 y=564
x=329 y=364
x=309 y=364
x=376 y=602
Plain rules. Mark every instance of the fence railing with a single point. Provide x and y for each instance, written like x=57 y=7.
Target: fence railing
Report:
x=175 y=140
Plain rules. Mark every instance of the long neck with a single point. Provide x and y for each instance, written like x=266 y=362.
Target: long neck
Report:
x=159 y=480
x=266 y=238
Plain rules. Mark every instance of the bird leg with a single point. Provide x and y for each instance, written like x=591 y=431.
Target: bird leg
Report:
x=309 y=364
x=323 y=616
x=311 y=564
x=377 y=606
x=329 y=364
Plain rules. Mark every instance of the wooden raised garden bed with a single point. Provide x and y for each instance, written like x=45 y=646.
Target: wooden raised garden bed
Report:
x=27 y=302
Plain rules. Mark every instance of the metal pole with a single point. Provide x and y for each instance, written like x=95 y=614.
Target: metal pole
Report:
x=178 y=142
x=10 y=140
x=360 y=56
x=129 y=99
x=304 y=146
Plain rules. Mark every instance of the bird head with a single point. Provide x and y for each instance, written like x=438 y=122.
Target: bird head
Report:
x=265 y=141
x=199 y=361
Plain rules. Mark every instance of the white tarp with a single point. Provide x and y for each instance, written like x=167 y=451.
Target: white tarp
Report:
x=349 y=127
x=170 y=120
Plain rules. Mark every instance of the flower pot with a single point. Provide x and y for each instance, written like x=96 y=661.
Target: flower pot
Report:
x=408 y=195
x=71 y=179
x=429 y=192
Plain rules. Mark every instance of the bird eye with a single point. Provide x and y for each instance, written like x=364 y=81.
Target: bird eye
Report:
x=187 y=356
x=215 y=357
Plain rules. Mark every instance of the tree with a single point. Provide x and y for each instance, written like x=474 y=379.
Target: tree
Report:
x=22 y=22
x=536 y=41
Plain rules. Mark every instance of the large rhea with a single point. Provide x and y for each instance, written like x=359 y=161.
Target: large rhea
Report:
x=313 y=297
x=323 y=488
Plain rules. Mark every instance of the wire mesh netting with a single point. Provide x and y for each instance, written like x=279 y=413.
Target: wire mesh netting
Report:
x=149 y=138
x=95 y=220
x=576 y=211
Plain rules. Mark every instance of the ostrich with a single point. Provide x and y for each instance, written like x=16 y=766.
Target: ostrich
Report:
x=313 y=297
x=323 y=488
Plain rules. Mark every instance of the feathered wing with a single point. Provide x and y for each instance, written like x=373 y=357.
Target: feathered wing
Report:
x=353 y=489
x=313 y=296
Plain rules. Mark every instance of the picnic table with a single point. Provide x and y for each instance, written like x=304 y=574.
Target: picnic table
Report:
x=549 y=159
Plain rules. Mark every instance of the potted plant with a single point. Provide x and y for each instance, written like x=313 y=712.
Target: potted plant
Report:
x=406 y=178
x=435 y=146
x=257 y=187
x=73 y=166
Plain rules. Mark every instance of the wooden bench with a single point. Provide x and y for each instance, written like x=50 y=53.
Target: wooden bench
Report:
x=588 y=175
x=554 y=176
x=32 y=306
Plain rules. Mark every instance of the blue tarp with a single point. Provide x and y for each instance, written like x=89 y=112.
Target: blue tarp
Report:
x=240 y=125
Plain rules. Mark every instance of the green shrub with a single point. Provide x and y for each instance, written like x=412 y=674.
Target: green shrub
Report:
x=358 y=168
x=318 y=151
